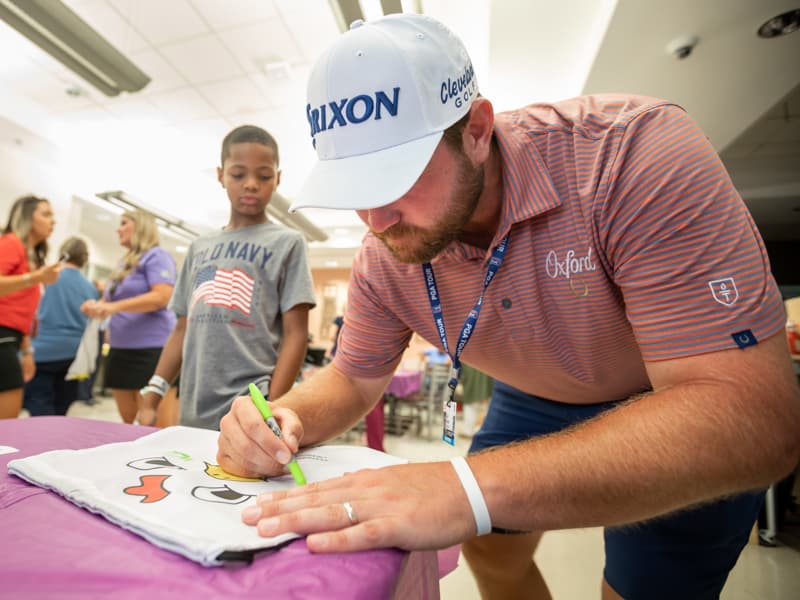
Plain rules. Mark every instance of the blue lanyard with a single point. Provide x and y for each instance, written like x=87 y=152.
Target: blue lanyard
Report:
x=472 y=318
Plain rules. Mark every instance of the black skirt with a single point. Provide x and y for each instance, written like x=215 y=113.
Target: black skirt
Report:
x=130 y=368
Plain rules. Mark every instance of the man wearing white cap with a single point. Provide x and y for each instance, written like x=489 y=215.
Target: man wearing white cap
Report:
x=592 y=257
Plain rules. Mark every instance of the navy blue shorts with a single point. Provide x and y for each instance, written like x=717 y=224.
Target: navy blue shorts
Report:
x=687 y=554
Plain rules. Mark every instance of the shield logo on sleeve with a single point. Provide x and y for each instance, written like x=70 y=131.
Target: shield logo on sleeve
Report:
x=724 y=291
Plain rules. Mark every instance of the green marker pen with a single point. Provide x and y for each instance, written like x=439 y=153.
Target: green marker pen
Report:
x=261 y=404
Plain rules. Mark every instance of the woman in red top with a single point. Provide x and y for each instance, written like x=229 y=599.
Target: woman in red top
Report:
x=23 y=249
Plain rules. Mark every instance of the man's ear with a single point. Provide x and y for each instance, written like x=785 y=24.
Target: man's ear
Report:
x=477 y=137
x=219 y=176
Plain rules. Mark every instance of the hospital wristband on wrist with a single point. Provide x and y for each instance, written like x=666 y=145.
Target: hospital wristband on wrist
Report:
x=483 y=520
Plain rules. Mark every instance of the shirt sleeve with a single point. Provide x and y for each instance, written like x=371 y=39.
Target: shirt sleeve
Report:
x=158 y=267
x=178 y=303
x=297 y=286
x=680 y=243
x=10 y=255
x=372 y=339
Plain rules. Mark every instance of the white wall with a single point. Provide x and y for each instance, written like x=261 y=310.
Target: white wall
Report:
x=24 y=173
x=32 y=168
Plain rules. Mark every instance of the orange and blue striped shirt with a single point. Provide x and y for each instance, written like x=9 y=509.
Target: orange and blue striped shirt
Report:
x=628 y=243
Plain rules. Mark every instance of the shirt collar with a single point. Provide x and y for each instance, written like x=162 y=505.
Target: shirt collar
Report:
x=528 y=190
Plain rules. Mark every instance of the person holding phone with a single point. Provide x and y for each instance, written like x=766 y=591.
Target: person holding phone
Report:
x=23 y=250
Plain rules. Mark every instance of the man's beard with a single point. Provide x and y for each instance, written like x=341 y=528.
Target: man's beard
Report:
x=410 y=244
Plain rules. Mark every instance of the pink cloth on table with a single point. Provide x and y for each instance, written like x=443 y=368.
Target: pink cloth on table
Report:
x=375 y=426
x=54 y=549
x=404 y=383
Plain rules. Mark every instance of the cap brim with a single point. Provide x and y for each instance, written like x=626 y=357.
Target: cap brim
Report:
x=368 y=180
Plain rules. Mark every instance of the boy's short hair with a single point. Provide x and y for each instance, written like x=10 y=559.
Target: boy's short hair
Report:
x=248 y=134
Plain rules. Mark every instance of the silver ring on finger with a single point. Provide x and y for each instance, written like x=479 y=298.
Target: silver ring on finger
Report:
x=351 y=513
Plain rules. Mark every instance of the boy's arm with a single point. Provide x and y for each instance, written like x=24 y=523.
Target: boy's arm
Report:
x=168 y=367
x=292 y=352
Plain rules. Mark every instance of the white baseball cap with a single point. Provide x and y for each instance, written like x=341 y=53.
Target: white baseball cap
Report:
x=378 y=102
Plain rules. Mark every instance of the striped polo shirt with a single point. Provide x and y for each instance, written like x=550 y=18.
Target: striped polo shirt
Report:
x=627 y=243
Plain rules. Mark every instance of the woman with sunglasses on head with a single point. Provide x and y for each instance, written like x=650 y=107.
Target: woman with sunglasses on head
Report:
x=23 y=250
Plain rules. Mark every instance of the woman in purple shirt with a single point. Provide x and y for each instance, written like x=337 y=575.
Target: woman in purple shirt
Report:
x=136 y=300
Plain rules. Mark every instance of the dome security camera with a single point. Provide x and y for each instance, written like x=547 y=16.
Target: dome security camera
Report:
x=681 y=47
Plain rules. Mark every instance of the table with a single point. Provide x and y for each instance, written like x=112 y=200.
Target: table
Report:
x=54 y=549
x=403 y=383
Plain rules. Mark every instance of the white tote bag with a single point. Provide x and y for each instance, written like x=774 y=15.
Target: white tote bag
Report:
x=85 y=360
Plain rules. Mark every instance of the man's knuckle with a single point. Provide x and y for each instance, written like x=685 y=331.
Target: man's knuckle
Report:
x=373 y=532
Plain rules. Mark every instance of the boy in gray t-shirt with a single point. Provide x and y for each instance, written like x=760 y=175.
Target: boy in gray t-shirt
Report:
x=242 y=297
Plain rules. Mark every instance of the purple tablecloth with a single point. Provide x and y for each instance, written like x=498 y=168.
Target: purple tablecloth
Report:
x=404 y=383
x=54 y=549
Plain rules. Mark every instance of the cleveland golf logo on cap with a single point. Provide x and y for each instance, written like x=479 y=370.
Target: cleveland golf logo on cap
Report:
x=461 y=89
x=352 y=110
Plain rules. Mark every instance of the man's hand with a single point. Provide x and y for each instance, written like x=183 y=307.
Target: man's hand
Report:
x=247 y=446
x=414 y=507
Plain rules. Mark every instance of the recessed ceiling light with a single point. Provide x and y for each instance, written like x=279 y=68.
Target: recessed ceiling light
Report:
x=785 y=23
x=102 y=216
x=331 y=263
x=181 y=249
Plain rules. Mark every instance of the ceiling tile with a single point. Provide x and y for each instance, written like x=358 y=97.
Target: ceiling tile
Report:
x=111 y=25
x=163 y=75
x=313 y=31
x=264 y=42
x=214 y=129
x=183 y=105
x=50 y=90
x=162 y=22
x=133 y=107
x=201 y=59
x=233 y=96
x=230 y=13
x=280 y=92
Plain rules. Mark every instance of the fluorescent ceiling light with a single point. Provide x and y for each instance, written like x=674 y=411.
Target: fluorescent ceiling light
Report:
x=347 y=11
x=166 y=223
x=57 y=30
x=278 y=208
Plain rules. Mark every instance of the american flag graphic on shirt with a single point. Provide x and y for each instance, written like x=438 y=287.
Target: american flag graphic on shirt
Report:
x=220 y=287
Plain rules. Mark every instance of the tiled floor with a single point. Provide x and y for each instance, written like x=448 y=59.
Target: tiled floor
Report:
x=571 y=561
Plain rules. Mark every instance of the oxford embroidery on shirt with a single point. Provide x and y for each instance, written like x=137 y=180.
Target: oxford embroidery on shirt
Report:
x=571 y=268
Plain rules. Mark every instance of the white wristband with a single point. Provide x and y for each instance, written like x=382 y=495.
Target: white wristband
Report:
x=159 y=383
x=151 y=388
x=483 y=521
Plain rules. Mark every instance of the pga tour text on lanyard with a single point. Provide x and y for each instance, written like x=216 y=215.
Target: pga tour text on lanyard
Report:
x=449 y=425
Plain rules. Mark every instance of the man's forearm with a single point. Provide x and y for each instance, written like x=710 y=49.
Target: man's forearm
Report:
x=330 y=402
x=664 y=451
